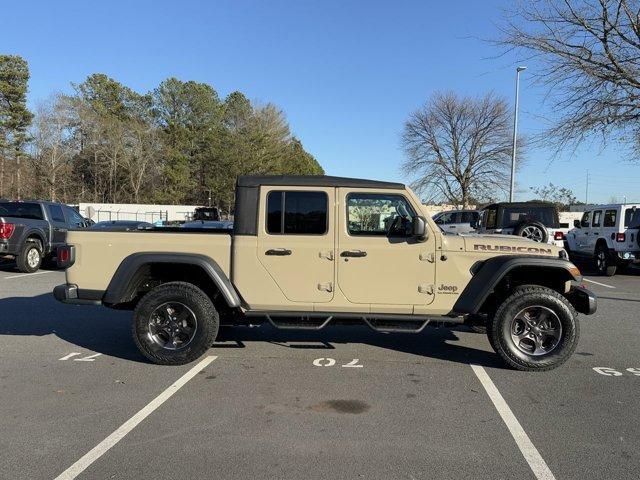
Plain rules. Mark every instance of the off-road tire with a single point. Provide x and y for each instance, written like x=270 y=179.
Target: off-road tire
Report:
x=605 y=265
x=499 y=331
x=544 y=234
x=25 y=259
x=201 y=306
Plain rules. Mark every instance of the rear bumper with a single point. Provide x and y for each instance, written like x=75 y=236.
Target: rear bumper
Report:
x=69 y=293
x=628 y=256
x=8 y=248
x=583 y=299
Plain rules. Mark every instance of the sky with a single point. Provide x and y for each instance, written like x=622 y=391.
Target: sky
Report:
x=346 y=73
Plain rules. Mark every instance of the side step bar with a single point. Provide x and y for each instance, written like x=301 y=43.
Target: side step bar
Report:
x=382 y=323
x=309 y=324
x=386 y=326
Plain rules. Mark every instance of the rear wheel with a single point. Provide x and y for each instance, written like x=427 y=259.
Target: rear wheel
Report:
x=604 y=264
x=535 y=329
x=29 y=259
x=175 y=323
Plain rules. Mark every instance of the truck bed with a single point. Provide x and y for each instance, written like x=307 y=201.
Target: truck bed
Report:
x=99 y=253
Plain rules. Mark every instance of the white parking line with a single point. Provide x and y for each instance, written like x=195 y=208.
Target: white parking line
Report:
x=527 y=448
x=29 y=274
x=598 y=283
x=96 y=452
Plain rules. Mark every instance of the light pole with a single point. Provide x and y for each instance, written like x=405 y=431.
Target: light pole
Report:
x=515 y=134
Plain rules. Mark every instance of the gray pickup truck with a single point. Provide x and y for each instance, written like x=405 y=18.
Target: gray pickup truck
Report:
x=31 y=231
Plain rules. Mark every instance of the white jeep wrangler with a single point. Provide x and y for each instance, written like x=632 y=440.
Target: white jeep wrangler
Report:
x=608 y=235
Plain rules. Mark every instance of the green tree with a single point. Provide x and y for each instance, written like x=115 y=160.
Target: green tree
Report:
x=15 y=118
x=189 y=114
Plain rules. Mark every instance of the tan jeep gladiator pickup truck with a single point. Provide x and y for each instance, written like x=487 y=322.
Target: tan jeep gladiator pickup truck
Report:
x=308 y=250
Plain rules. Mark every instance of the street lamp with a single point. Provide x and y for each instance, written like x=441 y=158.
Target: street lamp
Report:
x=515 y=134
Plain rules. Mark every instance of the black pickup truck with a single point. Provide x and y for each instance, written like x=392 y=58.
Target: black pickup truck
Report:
x=31 y=231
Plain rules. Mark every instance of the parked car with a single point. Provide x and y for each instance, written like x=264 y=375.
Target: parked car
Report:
x=537 y=221
x=608 y=235
x=121 y=225
x=457 y=221
x=30 y=231
x=206 y=213
x=296 y=260
x=203 y=224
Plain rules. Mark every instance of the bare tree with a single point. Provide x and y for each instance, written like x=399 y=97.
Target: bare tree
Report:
x=52 y=150
x=459 y=149
x=589 y=59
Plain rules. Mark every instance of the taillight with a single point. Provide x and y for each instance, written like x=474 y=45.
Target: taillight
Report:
x=558 y=236
x=65 y=256
x=6 y=230
x=620 y=237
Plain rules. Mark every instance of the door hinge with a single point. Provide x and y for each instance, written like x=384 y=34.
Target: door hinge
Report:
x=428 y=289
x=427 y=257
x=325 y=287
x=327 y=254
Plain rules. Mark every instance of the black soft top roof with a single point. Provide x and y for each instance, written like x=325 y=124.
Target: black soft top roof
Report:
x=312 y=181
x=532 y=203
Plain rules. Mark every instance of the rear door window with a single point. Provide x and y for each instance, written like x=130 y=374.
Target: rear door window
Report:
x=297 y=213
x=610 y=217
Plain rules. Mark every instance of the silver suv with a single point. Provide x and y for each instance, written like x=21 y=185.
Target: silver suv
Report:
x=457 y=221
x=607 y=235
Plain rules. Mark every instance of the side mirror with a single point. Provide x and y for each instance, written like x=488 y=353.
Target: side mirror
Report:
x=419 y=228
x=576 y=223
x=475 y=223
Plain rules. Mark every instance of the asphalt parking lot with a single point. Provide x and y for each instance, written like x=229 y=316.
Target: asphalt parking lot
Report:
x=341 y=403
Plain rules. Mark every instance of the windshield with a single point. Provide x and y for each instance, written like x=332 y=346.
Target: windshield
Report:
x=21 y=210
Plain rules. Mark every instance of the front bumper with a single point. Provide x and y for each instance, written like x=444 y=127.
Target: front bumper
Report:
x=69 y=293
x=583 y=299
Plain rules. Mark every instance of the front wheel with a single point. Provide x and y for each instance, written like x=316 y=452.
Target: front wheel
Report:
x=535 y=329
x=175 y=323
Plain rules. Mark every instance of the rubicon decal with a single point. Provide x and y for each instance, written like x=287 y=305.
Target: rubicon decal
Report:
x=507 y=248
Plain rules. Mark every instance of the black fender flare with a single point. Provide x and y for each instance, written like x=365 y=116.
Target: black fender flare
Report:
x=122 y=279
x=39 y=234
x=488 y=274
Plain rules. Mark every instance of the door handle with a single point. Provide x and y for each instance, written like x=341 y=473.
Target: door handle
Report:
x=353 y=253
x=596 y=233
x=280 y=252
